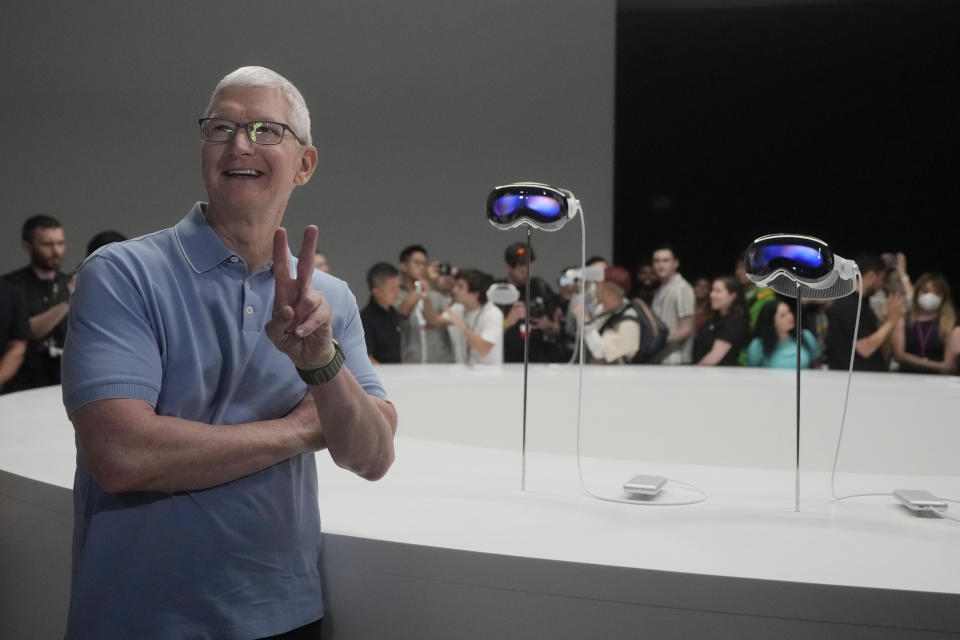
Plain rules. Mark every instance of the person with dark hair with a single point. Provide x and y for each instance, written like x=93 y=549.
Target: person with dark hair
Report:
x=47 y=291
x=775 y=344
x=381 y=322
x=102 y=239
x=872 y=335
x=14 y=331
x=927 y=339
x=701 y=296
x=476 y=324
x=423 y=332
x=645 y=284
x=725 y=335
x=674 y=302
x=546 y=314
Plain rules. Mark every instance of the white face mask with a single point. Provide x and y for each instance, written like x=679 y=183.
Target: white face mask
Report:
x=929 y=301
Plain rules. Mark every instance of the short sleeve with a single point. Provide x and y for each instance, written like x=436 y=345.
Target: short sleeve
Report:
x=755 y=353
x=348 y=330
x=810 y=342
x=734 y=331
x=492 y=329
x=686 y=301
x=112 y=345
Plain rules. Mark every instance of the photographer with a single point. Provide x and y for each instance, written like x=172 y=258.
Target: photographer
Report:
x=546 y=316
x=613 y=333
x=476 y=325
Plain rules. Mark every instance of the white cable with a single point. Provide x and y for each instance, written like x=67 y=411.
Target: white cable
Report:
x=846 y=399
x=582 y=320
x=943 y=514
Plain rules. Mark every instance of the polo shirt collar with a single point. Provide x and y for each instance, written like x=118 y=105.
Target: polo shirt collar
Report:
x=201 y=246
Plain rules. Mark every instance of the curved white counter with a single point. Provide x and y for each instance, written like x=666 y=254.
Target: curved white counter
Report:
x=447 y=546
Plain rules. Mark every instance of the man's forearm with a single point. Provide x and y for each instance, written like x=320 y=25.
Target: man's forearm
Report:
x=11 y=360
x=866 y=347
x=683 y=331
x=43 y=323
x=128 y=447
x=476 y=342
x=358 y=428
x=408 y=304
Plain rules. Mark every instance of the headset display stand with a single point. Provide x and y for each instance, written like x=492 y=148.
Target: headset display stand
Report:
x=526 y=364
x=799 y=329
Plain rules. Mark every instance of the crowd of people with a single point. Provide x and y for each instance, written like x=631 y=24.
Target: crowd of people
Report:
x=422 y=311
x=427 y=312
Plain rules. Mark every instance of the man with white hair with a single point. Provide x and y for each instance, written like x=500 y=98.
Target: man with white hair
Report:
x=201 y=373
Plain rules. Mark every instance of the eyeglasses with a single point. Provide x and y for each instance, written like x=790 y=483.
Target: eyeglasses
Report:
x=259 y=132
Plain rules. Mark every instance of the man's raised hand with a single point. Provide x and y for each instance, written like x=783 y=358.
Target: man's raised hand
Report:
x=302 y=322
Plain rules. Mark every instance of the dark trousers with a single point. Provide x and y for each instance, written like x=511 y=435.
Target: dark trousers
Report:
x=307 y=632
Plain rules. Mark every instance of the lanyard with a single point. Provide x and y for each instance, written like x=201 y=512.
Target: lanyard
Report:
x=924 y=337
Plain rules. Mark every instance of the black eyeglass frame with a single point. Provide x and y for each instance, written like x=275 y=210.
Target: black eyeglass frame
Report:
x=246 y=126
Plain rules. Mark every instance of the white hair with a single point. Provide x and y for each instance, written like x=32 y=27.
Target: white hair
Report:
x=267 y=78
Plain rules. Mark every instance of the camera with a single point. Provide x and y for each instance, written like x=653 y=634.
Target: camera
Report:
x=444 y=269
x=538 y=308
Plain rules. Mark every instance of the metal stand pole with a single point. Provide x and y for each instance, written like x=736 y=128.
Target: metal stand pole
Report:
x=799 y=329
x=526 y=362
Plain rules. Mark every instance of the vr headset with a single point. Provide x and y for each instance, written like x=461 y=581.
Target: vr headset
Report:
x=800 y=267
x=531 y=203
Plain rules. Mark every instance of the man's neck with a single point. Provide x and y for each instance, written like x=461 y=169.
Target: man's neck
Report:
x=43 y=274
x=667 y=279
x=385 y=307
x=248 y=234
x=471 y=305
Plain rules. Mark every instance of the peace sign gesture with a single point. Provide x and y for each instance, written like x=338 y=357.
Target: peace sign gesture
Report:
x=302 y=321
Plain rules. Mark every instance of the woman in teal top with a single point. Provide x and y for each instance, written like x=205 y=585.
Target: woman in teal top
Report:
x=776 y=342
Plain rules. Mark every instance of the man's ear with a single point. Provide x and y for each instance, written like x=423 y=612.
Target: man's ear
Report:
x=308 y=162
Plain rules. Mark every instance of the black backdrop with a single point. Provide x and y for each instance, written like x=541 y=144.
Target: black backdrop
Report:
x=838 y=120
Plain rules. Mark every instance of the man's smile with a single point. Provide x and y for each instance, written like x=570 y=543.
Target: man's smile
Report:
x=242 y=173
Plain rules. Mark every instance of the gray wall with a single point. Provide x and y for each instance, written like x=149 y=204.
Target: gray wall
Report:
x=418 y=107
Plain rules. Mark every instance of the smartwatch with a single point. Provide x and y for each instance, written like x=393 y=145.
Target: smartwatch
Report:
x=326 y=373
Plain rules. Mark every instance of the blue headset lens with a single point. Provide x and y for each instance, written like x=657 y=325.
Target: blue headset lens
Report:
x=542 y=207
x=804 y=257
x=508 y=205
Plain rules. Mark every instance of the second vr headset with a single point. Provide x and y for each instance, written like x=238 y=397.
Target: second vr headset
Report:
x=799 y=266
x=531 y=203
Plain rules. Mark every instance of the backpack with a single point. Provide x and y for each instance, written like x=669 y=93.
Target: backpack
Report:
x=653 y=330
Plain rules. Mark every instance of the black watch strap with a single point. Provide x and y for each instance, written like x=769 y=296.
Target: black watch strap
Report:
x=326 y=373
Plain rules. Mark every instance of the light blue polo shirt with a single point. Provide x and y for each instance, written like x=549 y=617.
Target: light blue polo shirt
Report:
x=173 y=318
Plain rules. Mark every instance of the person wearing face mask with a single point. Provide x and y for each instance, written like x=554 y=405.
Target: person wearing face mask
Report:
x=927 y=340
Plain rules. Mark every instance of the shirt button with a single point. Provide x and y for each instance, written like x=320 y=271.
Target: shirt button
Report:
x=249 y=309
x=234 y=259
x=248 y=285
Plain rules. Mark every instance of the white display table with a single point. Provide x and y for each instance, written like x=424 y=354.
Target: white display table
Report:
x=447 y=546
